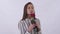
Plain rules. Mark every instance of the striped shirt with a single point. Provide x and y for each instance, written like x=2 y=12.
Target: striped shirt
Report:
x=24 y=24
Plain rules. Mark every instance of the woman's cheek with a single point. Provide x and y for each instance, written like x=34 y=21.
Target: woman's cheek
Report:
x=28 y=12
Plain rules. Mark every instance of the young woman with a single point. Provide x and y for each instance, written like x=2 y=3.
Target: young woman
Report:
x=25 y=25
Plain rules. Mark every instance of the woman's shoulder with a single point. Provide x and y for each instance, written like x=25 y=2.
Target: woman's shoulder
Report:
x=37 y=19
x=21 y=21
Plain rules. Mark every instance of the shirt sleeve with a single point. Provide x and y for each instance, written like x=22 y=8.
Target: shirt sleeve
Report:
x=38 y=21
x=21 y=27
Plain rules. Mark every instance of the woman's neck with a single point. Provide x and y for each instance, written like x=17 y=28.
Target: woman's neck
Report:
x=30 y=17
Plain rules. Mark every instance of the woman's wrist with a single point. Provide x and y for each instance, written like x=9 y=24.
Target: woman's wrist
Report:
x=29 y=31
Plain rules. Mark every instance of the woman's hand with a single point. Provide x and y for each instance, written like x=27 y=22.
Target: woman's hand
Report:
x=30 y=28
x=38 y=25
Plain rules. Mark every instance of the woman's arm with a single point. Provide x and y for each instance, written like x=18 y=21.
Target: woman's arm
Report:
x=22 y=28
x=38 y=25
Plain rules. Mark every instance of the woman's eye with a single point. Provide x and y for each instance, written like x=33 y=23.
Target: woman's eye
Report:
x=28 y=7
x=32 y=7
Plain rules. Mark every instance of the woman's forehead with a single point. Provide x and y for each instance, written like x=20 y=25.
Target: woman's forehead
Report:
x=30 y=5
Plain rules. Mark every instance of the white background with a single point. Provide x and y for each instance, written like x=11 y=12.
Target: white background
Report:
x=48 y=11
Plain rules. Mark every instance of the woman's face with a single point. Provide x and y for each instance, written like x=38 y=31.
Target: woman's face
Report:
x=30 y=9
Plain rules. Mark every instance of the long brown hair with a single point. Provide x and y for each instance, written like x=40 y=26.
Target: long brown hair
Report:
x=25 y=15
